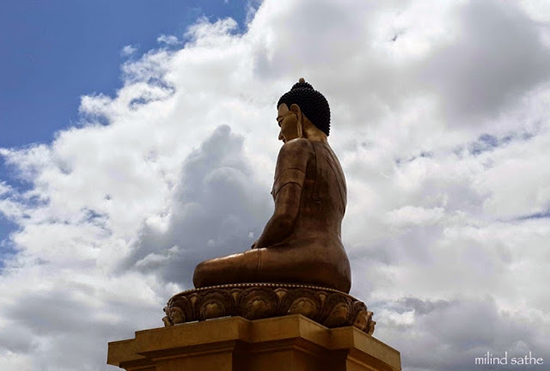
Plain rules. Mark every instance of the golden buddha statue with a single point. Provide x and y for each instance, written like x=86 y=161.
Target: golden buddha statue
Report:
x=301 y=243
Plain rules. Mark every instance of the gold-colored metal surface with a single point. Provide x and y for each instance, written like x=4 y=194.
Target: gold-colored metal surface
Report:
x=328 y=307
x=301 y=243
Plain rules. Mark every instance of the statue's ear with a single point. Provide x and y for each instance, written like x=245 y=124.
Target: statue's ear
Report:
x=294 y=108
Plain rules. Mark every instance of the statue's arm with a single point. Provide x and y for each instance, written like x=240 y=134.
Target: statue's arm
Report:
x=287 y=191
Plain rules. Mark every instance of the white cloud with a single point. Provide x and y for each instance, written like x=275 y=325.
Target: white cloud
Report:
x=440 y=122
x=170 y=40
x=128 y=50
x=458 y=331
x=496 y=58
x=539 y=10
x=410 y=216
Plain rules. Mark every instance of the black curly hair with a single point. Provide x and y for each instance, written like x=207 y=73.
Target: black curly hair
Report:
x=312 y=103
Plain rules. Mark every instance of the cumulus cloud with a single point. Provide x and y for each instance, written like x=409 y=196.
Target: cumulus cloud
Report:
x=217 y=208
x=439 y=117
x=495 y=59
x=458 y=331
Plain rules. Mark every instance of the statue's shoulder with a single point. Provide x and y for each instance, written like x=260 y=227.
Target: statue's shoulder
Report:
x=296 y=146
x=295 y=153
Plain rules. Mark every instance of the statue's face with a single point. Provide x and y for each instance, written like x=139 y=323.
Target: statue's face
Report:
x=288 y=122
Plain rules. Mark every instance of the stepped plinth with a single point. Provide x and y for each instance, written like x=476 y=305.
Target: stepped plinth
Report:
x=291 y=342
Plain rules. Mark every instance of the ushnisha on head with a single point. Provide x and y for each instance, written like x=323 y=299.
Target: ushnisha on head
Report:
x=303 y=112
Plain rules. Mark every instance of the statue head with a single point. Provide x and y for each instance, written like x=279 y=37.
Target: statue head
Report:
x=301 y=106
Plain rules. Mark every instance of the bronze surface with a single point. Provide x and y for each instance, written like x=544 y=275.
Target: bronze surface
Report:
x=301 y=243
x=329 y=307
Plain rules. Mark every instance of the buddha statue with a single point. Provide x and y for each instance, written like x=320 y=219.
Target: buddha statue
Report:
x=301 y=242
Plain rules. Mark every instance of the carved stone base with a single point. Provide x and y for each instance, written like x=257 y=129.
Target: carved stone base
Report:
x=329 y=307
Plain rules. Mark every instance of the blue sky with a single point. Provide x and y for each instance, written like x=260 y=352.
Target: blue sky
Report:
x=54 y=52
x=443 y=134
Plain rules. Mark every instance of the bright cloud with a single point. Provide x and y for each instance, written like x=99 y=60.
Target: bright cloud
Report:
x=440 y=120
x=168 y=40
x=128 y=50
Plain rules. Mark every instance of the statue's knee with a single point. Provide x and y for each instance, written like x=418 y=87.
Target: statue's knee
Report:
x=200 y=274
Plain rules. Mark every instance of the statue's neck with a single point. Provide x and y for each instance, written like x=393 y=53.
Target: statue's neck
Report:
x=314 y=138
x=312 y=133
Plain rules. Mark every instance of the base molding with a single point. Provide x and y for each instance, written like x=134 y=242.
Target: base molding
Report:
x=329 y=307
x=291 y=342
